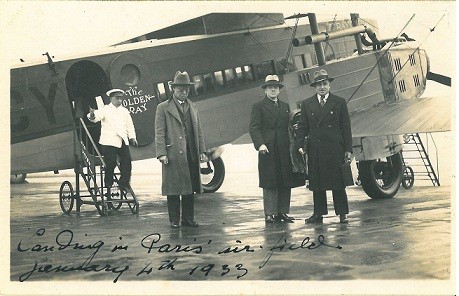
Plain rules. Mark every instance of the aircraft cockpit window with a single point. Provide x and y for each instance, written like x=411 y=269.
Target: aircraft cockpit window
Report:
x=264 y=69
x=299 y=61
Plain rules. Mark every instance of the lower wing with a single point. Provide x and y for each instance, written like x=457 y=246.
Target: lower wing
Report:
x=403 y=117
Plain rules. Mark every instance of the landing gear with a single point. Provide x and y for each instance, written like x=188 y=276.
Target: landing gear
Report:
x=17 y=178
x=212 y=175
x=381 y=178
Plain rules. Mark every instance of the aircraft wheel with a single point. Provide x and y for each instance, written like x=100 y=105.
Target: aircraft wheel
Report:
x=17 y=178
x=381 y=178
x=66 y=197
x=408 y=177
x=212 y=175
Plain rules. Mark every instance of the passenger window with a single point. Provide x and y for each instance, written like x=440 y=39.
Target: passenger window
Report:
x=161 y=92
x=239 y=75
x=230 y=77
x=219 y=81
x=198 y=84
x=208 y=83
x=248 y=73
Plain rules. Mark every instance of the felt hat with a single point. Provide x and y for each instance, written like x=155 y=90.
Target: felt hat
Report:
x=319 y=76
x=181 y=78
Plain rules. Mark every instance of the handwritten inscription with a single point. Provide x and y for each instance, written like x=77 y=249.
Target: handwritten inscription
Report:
x=90 y=260
x=136 y=100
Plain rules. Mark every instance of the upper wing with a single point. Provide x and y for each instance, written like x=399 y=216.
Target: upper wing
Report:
x=402 y=117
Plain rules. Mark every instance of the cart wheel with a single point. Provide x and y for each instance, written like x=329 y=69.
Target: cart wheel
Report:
x=66 y=198
x=408 y=177
x=114 y=205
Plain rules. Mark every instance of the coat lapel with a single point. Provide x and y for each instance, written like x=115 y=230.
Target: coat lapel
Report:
x=313 y=104
x=269 y=105
x=331 y=102
x=172 y=108
x=283 y=112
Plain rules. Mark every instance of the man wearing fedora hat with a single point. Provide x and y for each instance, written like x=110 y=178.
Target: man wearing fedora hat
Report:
x=117 y=131
x=325 y=120
x=269 y=121
x=180 y=148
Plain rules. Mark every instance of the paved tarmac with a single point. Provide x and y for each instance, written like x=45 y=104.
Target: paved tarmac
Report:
x=408 y=238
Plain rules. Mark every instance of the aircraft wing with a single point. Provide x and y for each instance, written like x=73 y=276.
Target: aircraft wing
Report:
x=402 y=117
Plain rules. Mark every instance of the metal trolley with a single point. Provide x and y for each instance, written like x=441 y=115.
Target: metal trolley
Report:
x=89 y=165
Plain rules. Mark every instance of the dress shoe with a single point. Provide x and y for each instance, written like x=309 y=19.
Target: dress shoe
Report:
x=175 y=225
x=343 y=218
x=314 y=219
x=190 y=223
x=270 y=219
x=285 y=218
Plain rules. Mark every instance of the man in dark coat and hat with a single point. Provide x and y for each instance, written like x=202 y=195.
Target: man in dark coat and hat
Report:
x=180 y=148
x=269 y=123
x=325 y=121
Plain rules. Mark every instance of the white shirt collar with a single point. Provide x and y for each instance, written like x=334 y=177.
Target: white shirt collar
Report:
x=326 y=97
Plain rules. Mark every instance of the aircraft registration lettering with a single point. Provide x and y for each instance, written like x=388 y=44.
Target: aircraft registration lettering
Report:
x=47 y=102
x=20 y=119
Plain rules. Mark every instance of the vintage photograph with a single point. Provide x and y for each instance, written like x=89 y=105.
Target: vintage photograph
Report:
x=229 y=148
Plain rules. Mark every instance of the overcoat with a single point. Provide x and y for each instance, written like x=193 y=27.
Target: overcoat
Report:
x=329 y=132
x=269 y=126
x=170 y=140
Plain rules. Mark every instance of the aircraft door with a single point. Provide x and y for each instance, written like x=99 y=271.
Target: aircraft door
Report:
x=130 y=73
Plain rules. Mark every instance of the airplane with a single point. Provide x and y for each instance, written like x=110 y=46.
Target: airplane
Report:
x=228 y=55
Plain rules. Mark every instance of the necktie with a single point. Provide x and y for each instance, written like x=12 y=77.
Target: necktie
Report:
x=322 y=101
x=276 y=104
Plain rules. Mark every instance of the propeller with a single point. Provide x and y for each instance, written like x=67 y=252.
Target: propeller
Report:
x=442 y=79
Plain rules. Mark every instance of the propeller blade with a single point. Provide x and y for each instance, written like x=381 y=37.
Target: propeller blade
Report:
x=299 y=15
x=445 y=80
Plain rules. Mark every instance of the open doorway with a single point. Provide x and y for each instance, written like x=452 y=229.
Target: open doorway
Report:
x=86 y=80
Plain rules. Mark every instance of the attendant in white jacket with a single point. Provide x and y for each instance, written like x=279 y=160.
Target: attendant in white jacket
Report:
x=117 y=130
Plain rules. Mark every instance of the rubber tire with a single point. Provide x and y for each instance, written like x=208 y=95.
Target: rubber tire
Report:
x=218 y=178
x=408 y=178
x=17 y=178
x=369 y=178
x=61 y=197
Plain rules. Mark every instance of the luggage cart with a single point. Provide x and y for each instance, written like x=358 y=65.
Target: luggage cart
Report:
x=89 y=166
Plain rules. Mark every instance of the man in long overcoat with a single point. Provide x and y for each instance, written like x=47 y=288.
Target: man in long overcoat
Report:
x=325 y=121
x=180 y=148
x=269 y=123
